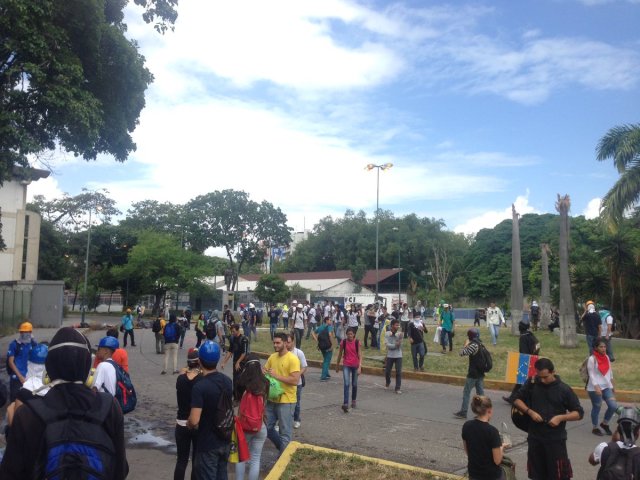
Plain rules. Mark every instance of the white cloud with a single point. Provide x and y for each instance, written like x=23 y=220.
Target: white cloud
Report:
x=593 y=208
x=492 y=218
x=45 y=186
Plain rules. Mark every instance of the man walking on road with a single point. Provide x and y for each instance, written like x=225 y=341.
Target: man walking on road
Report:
x=212 y=451
x=393 y=341
x=494 y=320
x=475 y=373
x=238 y=349
x=127 y=327
x=550 y=403
x=284 y=366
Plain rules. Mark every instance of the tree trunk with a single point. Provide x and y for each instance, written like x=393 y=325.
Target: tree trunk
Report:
x=545 y=294
x=568 y=338
x=516 y=273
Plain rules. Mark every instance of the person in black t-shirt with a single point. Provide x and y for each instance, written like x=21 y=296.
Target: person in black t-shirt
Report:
x=186 y=437
x=528 y=344
x=482 y=442
x=212 y=451
x=239 y=349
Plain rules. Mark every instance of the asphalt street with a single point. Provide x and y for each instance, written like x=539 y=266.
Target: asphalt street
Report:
x=416 y=428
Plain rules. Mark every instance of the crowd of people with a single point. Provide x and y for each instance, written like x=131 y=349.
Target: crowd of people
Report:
x=63 y=394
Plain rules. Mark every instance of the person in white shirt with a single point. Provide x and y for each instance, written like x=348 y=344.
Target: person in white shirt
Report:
x=353 y=319
x=105 y=377
x=600 y=387
x=299 y=320
x=606 y=329
x=494 y=320
x=313 y=321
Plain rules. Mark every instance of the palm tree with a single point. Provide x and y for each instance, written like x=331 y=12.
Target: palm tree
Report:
x=568 y=338
x=622 y=144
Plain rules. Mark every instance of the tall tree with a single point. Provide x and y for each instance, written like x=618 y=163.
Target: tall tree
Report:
x=229 y=219
x=622 y=145
x=271 y=288
x=568 y=338
x=545 y=291
x=516 y=273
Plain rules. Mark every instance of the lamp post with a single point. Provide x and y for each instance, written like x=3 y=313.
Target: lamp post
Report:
x=370 y=167
x=83 y=324
x=181 y=227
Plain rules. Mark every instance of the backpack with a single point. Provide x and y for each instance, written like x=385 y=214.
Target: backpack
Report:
x=210 y=330
x=74 y=444
x=171 y=333
x=343 y=346
x=584 y=371
x=485 y=362
x=251 y=412
x=156 y=326
x=223 y=418
x=125 y=393
x=324 y=340
x=620 y=463
x=535 y=310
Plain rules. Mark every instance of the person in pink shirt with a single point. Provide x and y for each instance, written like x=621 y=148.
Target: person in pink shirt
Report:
x=351 y=350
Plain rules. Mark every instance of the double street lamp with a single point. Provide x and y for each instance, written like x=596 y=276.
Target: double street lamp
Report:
x=370 y=167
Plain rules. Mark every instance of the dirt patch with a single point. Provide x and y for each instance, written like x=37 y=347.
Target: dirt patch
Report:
x=314 y=465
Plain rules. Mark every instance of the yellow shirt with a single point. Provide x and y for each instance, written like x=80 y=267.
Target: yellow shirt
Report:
x=284 y=366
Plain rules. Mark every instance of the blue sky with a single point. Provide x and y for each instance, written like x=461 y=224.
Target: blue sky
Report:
x=478 y=105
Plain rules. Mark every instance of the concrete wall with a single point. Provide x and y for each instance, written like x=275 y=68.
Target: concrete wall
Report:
x=46 y=303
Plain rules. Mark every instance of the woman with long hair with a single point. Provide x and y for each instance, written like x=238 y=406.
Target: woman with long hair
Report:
x=600 y=387
x=251 y=414
x=482 y=442
x=185 y=437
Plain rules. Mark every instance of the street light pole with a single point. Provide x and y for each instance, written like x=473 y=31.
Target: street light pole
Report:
x=371 y=166
x=86 y=276
x=396 y=229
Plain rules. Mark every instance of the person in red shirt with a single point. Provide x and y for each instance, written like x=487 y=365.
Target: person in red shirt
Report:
x=351 y=350
x=120 y=355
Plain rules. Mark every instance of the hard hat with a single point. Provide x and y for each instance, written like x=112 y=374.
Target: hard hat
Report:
x=242 y=305
x=128 y=310
x=628 y=421
x=109 y=342
x=251 y=305
x=589 y=302
x=294 y=302
x=209 y=352
x=25 y=327
x=38 y=354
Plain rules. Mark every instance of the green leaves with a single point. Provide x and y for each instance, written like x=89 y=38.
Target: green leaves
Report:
x=271 y=289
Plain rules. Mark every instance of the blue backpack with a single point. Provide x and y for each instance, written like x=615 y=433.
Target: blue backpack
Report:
x=125 y=393
x=75 y=443
x=171 y=333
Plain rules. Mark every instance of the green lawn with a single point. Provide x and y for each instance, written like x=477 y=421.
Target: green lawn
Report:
x=566 y=361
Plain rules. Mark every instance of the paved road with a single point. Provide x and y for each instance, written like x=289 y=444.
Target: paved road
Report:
x=415 y=428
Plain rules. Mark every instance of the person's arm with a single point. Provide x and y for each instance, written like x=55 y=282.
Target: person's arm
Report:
x=469 y=348
x=498 y=454
x=609 y=325
x=291 y=379
x=574 y=413
x=239 y=362
x=12 y=366
x=339 y=357
x=194 y=418
x=360 y=357
x=591 y=369
x=226 y=358
x=520 y=405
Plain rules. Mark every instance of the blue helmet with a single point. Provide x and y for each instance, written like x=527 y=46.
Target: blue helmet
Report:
x=209 y=352
x=38 y=354
x=109 y=342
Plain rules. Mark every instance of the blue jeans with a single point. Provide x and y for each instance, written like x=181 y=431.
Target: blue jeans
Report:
x=246 y=330
x=326 y=362
x=387 y=371
x=296 y=410
x=212 y=463
x=312 y=328
x=282 y=413
x=285 y=323
x=298 y=333
x=418 y=351
x=350 y=377
x=590 y=341
x=478 y=383
x=596 y=403
x=610 y=350
x=255 y=441
x=272 y=329
x=494 y=330
x=446 y=338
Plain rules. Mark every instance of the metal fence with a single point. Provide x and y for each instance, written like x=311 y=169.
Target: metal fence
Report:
x=15 y=306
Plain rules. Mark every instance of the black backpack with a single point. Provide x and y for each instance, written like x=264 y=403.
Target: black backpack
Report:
x=484 y=362
x=619 y=463
x=75 y=445
x=324 y=340
x=156 y=326
x=223 y=419
x=210 y=330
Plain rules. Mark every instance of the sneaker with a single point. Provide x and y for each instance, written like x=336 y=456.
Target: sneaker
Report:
x=325 y=379
x=353 y=404
x=596 y=431
x=345 y=408
x=387 y=385
x=460 y=415
x=399 y=392
x=296 y=424
x=163 y=372
x=277 y=428
x=606 y=428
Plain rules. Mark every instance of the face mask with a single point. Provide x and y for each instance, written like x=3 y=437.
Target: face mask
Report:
x=25 y=337
x=591 y=309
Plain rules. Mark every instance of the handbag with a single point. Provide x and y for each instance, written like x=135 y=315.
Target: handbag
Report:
x=508 y=466
x=122 y=328
x=275 y=388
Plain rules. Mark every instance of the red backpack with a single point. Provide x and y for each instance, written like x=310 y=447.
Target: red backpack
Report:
x=251 y=412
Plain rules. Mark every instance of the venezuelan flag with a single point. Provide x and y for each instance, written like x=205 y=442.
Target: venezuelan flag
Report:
x=520 y=367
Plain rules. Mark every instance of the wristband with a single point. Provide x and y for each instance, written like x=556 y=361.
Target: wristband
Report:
x=527 y=412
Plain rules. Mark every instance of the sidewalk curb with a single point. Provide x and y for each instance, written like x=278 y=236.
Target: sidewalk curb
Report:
x=630 y=396
x=284 y=460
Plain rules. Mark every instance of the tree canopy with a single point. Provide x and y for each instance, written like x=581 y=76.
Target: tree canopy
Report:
x=271 y=288
x=69 y=78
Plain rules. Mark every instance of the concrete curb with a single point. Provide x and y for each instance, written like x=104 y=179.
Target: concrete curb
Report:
x=630 y=396
x=284 y=460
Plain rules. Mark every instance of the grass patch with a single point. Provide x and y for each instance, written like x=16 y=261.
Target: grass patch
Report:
x=313 y=465
x=566 y=360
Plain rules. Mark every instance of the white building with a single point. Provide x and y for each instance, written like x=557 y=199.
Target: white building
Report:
x=20 y=228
